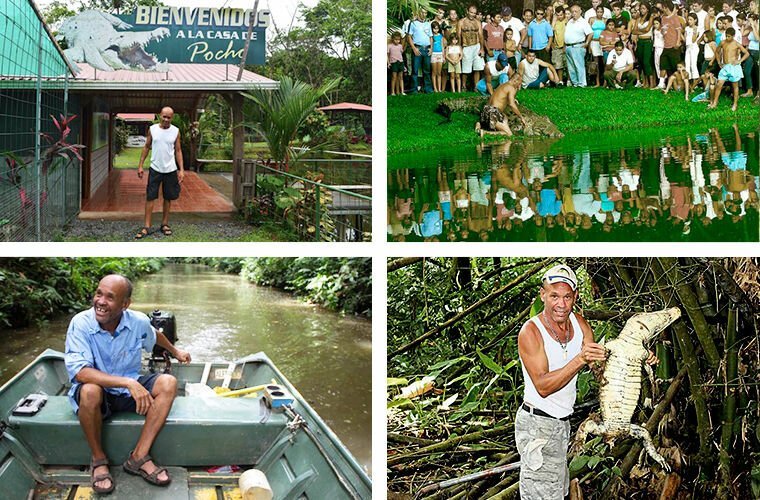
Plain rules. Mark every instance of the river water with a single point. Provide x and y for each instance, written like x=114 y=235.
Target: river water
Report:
x=326 y=356
x=692 y=184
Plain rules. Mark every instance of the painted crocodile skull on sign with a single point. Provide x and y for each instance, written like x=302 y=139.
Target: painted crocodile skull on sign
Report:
x=92 y=38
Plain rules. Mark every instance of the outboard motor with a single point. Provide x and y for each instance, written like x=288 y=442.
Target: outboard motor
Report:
x=166 y=322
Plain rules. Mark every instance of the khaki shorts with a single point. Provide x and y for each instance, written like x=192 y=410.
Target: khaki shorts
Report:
x=471 y=61
x=558 y=58
x=542 y=443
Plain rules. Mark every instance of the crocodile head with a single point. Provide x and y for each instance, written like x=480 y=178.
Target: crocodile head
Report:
x=646 y=326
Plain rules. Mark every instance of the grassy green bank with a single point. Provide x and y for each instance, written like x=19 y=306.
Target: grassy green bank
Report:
x=414 y=125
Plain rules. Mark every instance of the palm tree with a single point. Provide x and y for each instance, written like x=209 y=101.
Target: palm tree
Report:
x=401 y=10
x=280 y=113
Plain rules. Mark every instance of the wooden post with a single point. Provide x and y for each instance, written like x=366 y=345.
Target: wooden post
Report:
x=238 y=144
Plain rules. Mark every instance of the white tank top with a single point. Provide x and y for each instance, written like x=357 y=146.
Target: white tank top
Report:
x=162 y=158
x=560 y=404
x=495 y=73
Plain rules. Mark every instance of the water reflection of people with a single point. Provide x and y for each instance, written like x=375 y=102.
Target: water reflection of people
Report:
x=679 y=187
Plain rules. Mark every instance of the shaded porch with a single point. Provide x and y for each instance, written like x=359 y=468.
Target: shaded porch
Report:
x=123 y=196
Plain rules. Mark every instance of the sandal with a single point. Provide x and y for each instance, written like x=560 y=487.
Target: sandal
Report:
x=166 y=230
x=100 y=477
x=142 y=233
x=132 y=466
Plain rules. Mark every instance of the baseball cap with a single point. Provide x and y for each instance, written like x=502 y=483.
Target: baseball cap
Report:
x=506 y=11
x=561 y=274
x=502 y=59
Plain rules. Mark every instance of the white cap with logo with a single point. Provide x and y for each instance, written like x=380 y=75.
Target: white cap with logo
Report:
x=561 y=274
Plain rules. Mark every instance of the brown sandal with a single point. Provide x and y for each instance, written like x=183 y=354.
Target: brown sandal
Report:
x=142 y=233
x=100 y=477
x=132 y=466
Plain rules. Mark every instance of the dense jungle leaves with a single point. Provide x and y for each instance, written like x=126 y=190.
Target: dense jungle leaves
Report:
x=457 y=319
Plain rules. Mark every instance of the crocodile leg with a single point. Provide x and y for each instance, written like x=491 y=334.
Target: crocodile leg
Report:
x=589 y=426
x=641 y=433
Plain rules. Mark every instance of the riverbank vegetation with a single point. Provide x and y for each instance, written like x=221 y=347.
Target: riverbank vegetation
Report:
x=337 y=283
x=33 y=290
x=414 y=125
x=455 y=321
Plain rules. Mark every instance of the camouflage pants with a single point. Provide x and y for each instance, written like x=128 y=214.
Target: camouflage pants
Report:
x=542 y=443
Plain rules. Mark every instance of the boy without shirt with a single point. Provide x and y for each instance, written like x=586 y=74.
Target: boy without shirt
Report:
x=732 y=54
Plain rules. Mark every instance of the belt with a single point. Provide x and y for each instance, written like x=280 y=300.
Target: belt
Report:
x=574 y=44
x=536 y=411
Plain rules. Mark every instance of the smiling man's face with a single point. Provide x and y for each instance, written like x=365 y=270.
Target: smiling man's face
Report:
x=110 y=301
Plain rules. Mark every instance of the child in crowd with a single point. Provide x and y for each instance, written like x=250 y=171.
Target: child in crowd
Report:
x=396 y=64
x=679 y=80
x=733 y=55
x=454 y=59
x=709 y=63
x=692 y=48
x=720 y=28
x=659 y=46
x=436 y=57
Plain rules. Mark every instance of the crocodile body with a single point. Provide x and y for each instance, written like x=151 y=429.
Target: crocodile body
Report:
x=621 y=381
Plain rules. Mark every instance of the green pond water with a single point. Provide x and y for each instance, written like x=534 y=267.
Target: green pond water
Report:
x=326 y=356
x=690 y=184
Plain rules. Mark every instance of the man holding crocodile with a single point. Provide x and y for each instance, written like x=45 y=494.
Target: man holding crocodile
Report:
x=553 y=347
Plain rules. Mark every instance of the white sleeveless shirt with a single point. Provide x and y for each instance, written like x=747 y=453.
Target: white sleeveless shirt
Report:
x=559 y=404
x=162 y=158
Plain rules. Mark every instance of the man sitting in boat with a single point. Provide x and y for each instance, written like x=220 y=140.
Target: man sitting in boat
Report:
x=103 y=358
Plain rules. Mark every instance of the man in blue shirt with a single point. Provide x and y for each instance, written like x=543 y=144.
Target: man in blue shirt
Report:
x=103 y=358
x=540 y=36
x=420 y=39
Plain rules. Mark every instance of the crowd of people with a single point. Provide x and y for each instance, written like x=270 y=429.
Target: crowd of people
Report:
x=697 y=49
x=674 y=187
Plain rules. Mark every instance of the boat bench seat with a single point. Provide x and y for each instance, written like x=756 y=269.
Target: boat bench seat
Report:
x=198 y=431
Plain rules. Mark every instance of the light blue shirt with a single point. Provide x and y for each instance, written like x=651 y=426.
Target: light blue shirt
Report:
x=120 y=354
x=420 y=32
x=539 y=33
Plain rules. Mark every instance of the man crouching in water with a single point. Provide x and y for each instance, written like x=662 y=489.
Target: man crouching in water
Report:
x=492 y=117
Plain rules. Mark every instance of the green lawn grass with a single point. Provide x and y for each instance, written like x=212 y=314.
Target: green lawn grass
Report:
x=414 y=125
x=128 y=158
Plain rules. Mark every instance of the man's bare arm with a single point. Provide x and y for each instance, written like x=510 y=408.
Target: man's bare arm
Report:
x=531 y=349
x=144 y=154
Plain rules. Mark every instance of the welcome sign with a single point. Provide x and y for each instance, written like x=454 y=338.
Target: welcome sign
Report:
x=151 y=37
x=202 y=35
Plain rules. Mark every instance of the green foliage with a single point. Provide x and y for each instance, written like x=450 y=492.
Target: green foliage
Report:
x=413 y=124
x=314 y=128
x=342 y=284
x=33 y=290
x=277 y=115
x=334 y=39
x=121 y=133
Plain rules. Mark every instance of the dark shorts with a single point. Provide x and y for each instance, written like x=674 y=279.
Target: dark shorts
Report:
x=114 y=404
x=169 y=183
x=397 y=67
x=670 y=59
x=490 y=116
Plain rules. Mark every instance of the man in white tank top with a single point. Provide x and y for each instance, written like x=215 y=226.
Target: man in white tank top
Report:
x=163 y=138
x=553 y=347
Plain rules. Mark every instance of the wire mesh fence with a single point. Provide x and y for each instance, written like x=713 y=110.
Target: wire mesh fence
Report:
x=314 y=210
x=39 y=174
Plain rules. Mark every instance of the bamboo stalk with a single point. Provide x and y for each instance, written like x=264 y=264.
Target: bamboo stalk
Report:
x=691 y=304
x=400 y=438
x=474 y=307
x=690 y=361
x=469 y=477
x=729 y=407
x=397 y=264
x=450 y=443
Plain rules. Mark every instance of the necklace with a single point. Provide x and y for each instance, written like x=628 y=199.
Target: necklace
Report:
x=563 y=345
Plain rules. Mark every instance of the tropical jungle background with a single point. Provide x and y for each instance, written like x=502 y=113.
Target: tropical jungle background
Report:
x=33 y=290
x=455 y=383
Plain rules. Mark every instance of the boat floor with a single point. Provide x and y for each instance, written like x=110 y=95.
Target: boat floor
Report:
x=129 y=487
